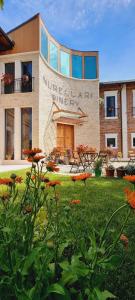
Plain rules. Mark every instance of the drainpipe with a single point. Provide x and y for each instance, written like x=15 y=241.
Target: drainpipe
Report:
x=124 y=121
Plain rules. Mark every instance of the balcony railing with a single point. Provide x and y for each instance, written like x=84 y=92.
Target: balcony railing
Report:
x=17 y=86
x=112 y=113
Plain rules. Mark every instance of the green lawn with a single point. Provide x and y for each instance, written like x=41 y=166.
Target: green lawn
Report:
x=102 y=196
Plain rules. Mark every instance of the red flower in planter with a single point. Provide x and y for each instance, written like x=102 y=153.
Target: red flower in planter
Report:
x=130 y=178
x=32 y=152
x=35 y=158
x=130 y=197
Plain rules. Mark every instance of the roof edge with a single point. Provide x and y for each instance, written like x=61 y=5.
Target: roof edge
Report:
x=29 y=20
x=117 y=82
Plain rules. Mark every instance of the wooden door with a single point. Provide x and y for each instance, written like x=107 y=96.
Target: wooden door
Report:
x=65 y=136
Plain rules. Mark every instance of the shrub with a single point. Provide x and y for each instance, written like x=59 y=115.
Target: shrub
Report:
x=130 y=169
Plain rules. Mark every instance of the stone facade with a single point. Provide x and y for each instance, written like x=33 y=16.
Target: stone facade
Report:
x=69 y=94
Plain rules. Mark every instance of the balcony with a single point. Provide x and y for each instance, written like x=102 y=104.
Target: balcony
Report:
x=112 y=113
x=17 y=86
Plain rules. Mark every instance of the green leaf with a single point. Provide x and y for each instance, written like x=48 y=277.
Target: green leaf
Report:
x=103 y=295
x=56 y=288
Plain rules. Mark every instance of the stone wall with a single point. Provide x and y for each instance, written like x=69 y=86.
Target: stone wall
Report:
x=68 y=94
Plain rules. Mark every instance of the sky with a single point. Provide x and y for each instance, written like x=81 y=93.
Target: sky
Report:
x=104 y=25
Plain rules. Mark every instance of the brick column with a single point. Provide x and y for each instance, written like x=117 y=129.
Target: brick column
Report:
x=17 y=134
x=124 y=121
x=2 y=134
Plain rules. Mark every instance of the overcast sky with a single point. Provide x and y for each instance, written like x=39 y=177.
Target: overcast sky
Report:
x=104 y=25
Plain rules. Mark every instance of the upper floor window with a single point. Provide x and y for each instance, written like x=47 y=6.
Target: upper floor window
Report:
x=65 y=63
x=44 y=44
x=26 y=77
x=90 y=67
x=77 y=66
x=53 y=56
x=111 y=110
x=9 y=78
x=133 y=103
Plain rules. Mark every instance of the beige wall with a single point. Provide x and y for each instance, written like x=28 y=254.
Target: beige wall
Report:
x=18 y=100
x=68 y=94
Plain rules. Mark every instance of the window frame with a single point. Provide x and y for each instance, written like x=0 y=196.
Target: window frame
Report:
x=111 y=94
x=133 y=104
x=112 y=136
x=132 y=136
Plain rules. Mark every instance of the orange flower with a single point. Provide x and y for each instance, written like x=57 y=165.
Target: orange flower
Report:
x=52 y=167
x=130 y=178
x=53 y=183
x=82 y=177
x=35 y=158
x=75 y=202
x=6 y=181
x=42 y=178
x=18 y=179
x=32 y=152
x=124 y=239
x=130 y=197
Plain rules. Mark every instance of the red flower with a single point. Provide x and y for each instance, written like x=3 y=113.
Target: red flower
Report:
x=75 y=202
x=6 y=181
x=52 y=167
x=53 y=183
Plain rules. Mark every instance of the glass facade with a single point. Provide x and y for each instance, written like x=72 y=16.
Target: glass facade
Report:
x=82 y=66
x=77 y=66
x=65 y=63
x=44 y=44
x=9 y=134
x=90 y=67
x=53 y=56
x=26 y=128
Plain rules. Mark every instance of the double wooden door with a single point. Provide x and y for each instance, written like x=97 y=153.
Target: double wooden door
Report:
x=65 y=136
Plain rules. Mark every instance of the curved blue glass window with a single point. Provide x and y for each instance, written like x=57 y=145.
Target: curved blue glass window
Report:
x=76 y=66
x=53 y=56
x=44 y=44
x=64 y=63
x=90 y=67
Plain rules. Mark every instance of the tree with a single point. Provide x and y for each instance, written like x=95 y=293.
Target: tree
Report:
x=1 y=3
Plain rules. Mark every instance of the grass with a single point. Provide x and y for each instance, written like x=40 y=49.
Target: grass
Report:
x=102 y=196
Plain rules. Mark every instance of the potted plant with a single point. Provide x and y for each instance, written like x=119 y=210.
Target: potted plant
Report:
x=130 y=169
x=98 y=167
x=120 y=172
x=110 y=171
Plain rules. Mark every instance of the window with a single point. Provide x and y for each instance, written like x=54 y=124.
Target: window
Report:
x=53 y=56
x=132 y=140
x=90 y=67
x=10 y=76
x=26 y=128
x=77 y=66
x=26 y=77
x=64 y=63
x=9 y=134
x=44 y=44
x=111 y=140
x=111 y=104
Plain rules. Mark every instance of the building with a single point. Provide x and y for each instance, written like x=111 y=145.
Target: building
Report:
x=49 y=93
x=49 y=97
x=117 y=116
